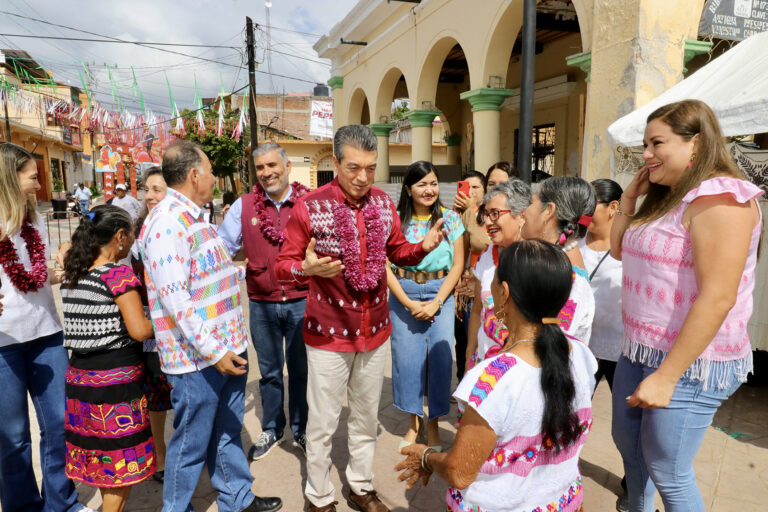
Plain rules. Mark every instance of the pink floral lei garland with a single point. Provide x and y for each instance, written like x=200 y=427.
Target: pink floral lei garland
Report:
x=350 y=246
x=25 y=280
x=266 y=224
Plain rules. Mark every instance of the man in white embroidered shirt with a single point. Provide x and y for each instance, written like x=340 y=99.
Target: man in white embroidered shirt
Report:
x=194 y=296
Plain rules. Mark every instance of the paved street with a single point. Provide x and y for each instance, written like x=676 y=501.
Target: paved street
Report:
x=732 y=466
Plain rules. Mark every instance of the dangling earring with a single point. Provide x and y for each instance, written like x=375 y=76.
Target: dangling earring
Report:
x=690 y=162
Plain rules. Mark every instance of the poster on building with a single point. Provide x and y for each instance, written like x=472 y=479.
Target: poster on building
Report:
x=321 y=119
x=734 y=20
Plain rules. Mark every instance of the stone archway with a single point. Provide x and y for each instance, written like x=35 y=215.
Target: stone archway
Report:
x=321 y=167
x=430 y=68
x=392 y=85
x=358 y=111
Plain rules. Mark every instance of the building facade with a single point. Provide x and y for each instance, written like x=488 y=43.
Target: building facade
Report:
x=459 y=60
x=36 y=124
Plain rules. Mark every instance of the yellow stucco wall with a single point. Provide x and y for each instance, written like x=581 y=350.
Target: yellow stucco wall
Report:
x=636 y=48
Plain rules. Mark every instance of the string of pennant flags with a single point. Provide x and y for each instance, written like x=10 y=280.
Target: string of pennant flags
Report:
x=38 y=96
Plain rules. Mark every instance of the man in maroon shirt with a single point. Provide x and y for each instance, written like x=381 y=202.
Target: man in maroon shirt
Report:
x=256 y=222
x=338 y=239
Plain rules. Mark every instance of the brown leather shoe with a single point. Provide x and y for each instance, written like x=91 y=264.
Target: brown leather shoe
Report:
x=367 y=502
x=331 y=507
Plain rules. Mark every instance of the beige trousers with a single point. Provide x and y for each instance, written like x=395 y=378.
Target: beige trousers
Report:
x=329 y=375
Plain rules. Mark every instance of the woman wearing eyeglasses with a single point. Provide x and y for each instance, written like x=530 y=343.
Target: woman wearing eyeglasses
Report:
x=503 y=217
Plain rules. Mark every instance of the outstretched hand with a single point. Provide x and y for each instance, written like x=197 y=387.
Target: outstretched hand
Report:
x=434 y=236
x=411 y=468
x=321 y=267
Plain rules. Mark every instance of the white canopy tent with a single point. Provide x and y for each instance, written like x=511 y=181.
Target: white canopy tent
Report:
x=735 y=85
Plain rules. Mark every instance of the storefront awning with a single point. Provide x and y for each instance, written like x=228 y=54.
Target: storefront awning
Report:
x=735 y=85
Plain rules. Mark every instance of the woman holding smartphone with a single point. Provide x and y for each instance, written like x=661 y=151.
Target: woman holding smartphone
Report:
x=475 y=242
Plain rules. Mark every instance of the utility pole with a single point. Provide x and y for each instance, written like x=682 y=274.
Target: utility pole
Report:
x=93 y=132
x=524 y=143
x=251 y=95
x=7 y=119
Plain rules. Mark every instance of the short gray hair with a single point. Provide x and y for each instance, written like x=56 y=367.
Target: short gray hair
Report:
x=356 y=135
x=268 y=147
x=180 y=156
x=517 y=192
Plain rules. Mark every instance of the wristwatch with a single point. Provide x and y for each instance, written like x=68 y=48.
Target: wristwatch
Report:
x=439 y=304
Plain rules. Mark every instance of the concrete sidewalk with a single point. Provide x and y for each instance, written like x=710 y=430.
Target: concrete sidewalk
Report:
x=731 y=468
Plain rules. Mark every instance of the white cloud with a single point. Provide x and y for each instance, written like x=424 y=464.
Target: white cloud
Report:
x=219 y=22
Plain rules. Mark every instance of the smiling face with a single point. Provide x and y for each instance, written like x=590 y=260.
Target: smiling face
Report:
x=666 y=153
x=355 y=171
x=424 y=192
x=537 y=218
x=28 y=182
x=272 y=173
x=495 y=177
x=505 y=230
x=155 y=190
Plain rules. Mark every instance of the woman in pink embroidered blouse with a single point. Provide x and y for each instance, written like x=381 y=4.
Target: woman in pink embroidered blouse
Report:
x=689 y=254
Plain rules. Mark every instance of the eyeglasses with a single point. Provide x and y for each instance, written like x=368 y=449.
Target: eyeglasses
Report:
x=493 y=214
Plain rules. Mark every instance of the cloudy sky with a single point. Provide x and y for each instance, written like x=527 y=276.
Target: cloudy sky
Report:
x=295 y=26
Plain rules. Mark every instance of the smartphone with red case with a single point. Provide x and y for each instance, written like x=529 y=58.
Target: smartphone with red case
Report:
x=463 y=186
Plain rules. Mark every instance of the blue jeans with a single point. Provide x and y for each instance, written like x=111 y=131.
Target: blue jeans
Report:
x=208 y=418
x=36 y=367
x=417 y=344
x=658 y=445
x=270 y=323
x=84 y=206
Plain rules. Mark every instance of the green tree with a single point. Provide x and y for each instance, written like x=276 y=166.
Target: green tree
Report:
x=400 y=111
x=225 y=153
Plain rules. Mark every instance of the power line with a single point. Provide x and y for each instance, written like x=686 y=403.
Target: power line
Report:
x=117 y=39
x=118 y=42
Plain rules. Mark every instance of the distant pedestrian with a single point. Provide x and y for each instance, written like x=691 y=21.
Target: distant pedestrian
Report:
x=83 y=196
x=127 y=202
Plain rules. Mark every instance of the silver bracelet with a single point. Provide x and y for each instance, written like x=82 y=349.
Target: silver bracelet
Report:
x=425 y=457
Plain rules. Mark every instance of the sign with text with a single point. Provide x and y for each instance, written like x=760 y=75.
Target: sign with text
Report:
x=734 y=20
x=321 y=119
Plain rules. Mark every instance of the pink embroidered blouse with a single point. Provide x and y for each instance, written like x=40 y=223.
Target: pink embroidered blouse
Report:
x=659 y=286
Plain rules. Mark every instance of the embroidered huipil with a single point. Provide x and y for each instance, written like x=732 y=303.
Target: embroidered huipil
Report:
x=192 y=285
x=523 y=473
x=659 y=286
x=338 y=317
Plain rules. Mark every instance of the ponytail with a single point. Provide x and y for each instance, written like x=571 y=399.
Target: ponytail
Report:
x=539 y=276
x=560 y=422
x=94 y=232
